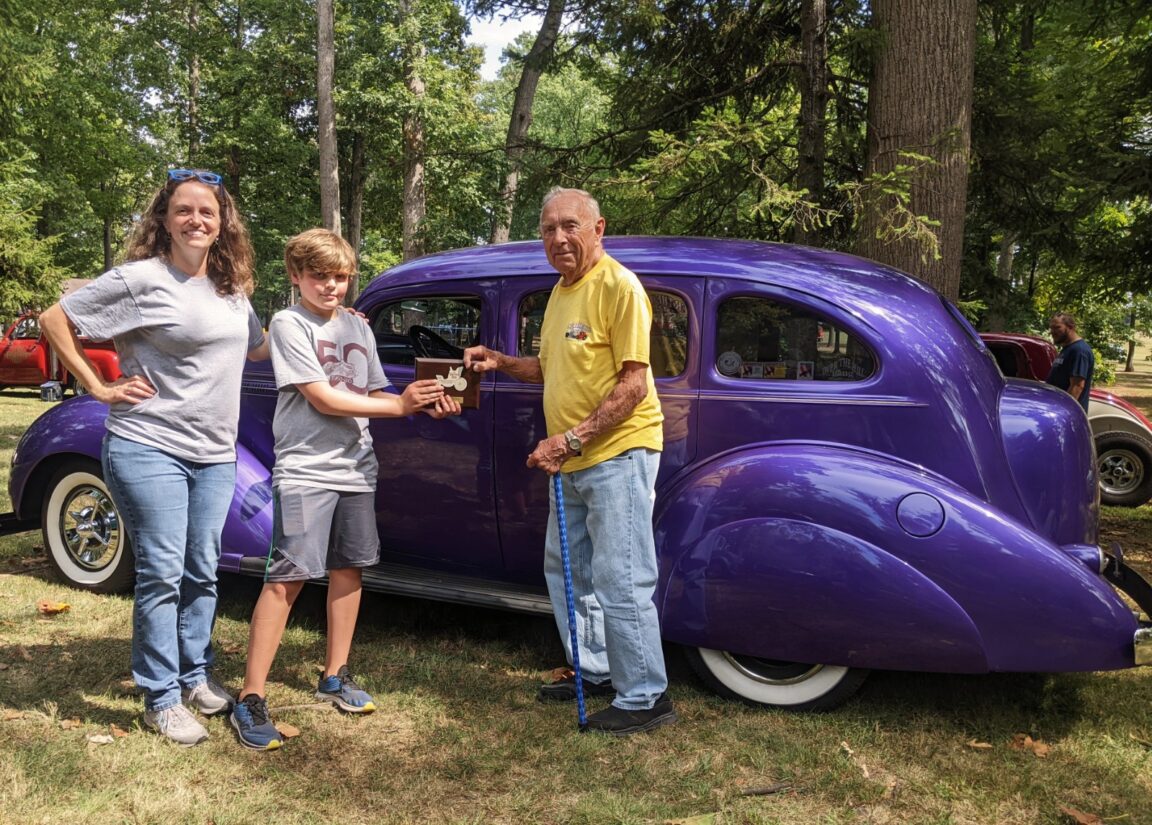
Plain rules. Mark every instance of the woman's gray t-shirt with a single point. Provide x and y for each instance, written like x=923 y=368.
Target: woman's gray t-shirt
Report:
x=187 y=340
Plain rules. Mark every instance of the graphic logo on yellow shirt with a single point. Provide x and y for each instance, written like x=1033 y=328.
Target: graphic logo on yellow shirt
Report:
x=578 y=331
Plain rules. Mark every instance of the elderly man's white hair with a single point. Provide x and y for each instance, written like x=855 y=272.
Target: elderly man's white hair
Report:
x=557 y=191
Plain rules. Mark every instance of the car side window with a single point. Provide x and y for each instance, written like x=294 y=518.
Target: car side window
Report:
x=436 y=327
x=761 y=339
x=668 y=349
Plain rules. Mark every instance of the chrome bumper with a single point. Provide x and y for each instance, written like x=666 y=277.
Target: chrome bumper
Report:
x=1142 y=642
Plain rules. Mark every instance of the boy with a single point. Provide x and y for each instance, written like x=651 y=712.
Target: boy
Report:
x=330 y=382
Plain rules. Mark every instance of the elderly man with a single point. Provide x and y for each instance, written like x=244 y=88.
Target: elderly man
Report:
x=1072 y=370
x=604 y=425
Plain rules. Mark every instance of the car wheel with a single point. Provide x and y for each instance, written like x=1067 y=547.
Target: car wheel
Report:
x=87 y=542
x=1124 y=461
x=770 y=683
x=76 y=386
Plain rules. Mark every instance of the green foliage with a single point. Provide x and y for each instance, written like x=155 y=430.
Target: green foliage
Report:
x=28 y=276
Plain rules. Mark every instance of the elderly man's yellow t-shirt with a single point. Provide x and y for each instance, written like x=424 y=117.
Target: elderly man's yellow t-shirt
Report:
x=589 y=330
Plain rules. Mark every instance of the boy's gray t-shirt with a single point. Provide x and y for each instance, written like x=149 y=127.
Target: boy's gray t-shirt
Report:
x=187 y=340
x=314 y=449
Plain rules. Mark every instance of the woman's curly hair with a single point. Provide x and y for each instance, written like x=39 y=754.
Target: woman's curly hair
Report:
x=230 y=260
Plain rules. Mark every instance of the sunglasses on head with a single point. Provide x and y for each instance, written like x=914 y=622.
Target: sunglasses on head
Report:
x=210 y=178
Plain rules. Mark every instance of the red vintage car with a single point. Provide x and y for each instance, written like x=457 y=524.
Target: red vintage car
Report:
x=27 y=361
x=1123 y=435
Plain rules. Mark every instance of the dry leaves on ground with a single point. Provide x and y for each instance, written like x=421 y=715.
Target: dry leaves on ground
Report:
x=287 y=731
x=12 y=715
x=979 y=746
x=47 y=607
x=1024 y=742
x=1079 y=817
x=69 y=724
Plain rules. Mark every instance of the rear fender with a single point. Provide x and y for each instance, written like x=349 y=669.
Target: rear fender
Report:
x=815 y=553
x=71 y=428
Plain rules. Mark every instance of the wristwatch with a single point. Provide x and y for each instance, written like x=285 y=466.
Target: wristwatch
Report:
x=573 y=441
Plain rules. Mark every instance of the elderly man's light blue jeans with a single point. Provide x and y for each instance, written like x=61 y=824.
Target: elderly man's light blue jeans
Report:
x=608 y=511
x=174 y=510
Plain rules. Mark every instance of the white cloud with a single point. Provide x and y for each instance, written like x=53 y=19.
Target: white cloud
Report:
x=494 y=35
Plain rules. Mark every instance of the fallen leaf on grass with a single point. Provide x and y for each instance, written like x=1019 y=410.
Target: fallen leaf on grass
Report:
x=118 y=732
x=980 y=746
x=1024 y=742
x=23 y=653
x=231 y=648
x=702 y=819
x=69 y=724
x=1140 y=741
x=1079 y=817
x=4 y=665
x=287 y=731
x=558 y=673
x=47 y=607
x=12 y=715
x=765 y=790
x=859 y=762
x=99 y=739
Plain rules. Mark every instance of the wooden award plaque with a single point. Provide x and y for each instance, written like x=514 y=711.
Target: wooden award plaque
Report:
x=457 y=382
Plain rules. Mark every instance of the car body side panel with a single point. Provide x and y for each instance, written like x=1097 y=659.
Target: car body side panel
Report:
x=906 y=536
x=72 y=428
x=1040 y=421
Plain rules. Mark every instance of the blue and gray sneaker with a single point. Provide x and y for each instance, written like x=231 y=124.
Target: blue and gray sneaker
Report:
x=254 y=725
x=344 y=693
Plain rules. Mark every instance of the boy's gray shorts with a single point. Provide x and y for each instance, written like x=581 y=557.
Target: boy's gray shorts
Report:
x=316 y=530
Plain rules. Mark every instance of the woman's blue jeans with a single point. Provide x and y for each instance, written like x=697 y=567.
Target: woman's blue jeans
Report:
x=608 y=509
x=174 y=510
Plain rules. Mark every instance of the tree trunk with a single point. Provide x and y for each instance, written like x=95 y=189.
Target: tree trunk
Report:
x=813 y=107
x=326 y=114
x=920 y=100
x=1129 y=362
x=194 y=82
x=414 y=206
x=535 y=62
x=108 y=253
x=356 y=184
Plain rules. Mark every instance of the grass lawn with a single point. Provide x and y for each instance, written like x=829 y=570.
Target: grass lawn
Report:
x=459 y=737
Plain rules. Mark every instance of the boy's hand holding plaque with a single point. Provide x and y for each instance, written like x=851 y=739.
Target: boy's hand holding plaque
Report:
x=457 y=382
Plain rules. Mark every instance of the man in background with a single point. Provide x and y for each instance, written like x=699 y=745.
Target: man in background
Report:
x=1073 y=367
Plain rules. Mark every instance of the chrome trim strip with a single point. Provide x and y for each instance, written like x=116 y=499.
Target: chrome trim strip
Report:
x=814 y=399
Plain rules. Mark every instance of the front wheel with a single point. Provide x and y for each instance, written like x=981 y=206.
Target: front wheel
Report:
x=1124 y=461
x=86 y=541
x=771 y=683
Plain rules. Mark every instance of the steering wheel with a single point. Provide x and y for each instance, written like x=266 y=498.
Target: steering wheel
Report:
x=428 y=344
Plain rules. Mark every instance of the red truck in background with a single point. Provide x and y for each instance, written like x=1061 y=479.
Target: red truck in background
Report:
x=26 y=360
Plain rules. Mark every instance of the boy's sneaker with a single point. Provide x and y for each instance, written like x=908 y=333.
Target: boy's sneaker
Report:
x=209 y=698
x=564 y=689
x=621 y=722
x=344 y=693
x=254 y=725
x=176 y=723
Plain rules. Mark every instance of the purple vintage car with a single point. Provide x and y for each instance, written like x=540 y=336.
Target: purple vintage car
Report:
x=848 y=481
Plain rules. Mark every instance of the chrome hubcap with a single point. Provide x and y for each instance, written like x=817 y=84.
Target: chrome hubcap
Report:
x=90 y=527
x=771 y=671
x=1121 y=471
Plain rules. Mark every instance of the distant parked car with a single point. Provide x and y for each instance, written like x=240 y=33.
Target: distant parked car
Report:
x=848 y=481
x=1122 y=433
x=26 y=360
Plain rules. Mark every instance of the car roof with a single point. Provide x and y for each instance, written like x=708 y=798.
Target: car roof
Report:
x=869 y=288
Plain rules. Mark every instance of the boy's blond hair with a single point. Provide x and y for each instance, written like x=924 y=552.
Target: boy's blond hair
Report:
x=319 y=250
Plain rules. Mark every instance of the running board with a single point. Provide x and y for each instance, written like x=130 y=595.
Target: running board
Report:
x=419 y=583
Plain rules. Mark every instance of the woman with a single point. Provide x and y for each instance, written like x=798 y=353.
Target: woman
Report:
x=178 y=312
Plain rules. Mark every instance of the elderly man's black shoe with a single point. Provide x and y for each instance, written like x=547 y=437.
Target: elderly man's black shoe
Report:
x=564 y=689
x=620 y=722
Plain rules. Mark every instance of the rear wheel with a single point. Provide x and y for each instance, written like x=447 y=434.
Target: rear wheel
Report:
x=86 y=541
x=771 y=683
x=1124 y=461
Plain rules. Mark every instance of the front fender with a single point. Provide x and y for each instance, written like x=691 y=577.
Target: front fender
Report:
x=73 y=427
x=816 y=553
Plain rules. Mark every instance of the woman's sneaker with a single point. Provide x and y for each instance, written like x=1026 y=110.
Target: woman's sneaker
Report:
x=176 y=723
x=344 y=693
x=209 y=698
x=254 y=725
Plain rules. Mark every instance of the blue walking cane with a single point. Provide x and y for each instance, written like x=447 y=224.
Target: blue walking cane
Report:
x=562 y=524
